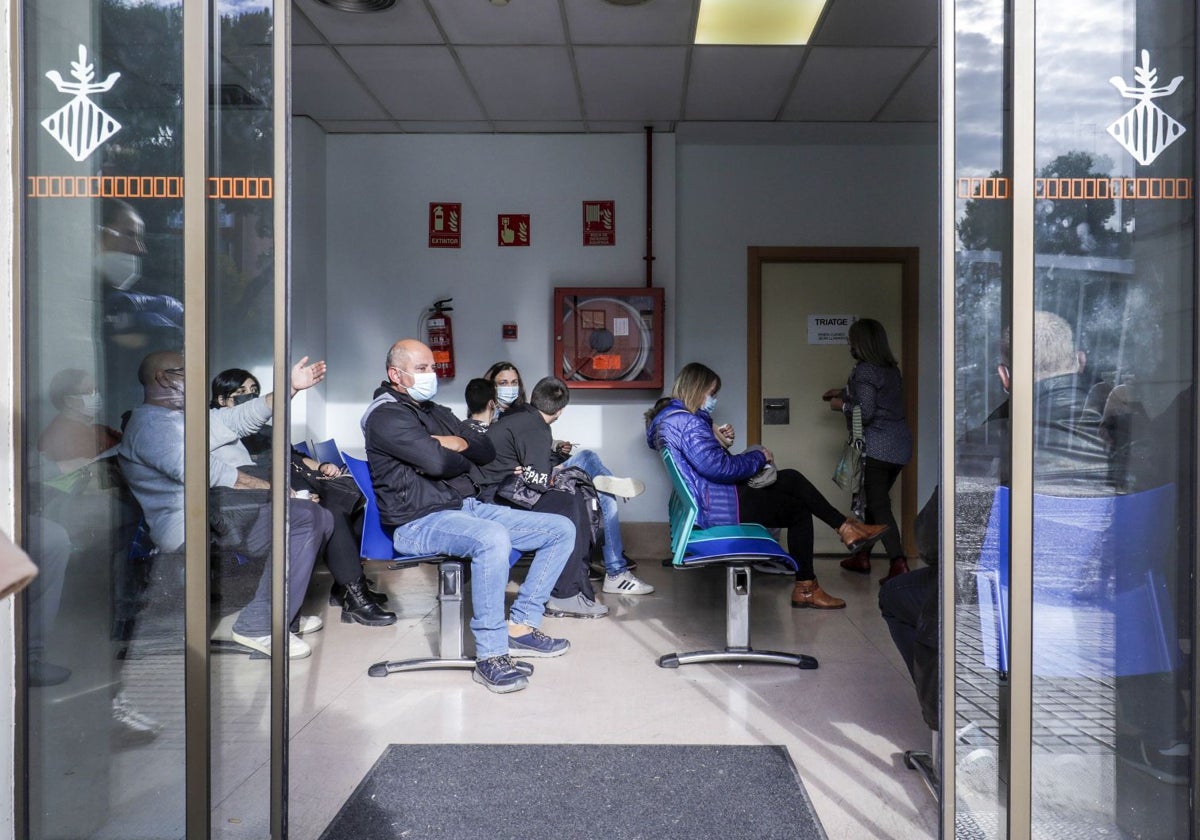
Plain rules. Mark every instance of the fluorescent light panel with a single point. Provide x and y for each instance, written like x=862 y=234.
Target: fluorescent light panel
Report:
x=757 y=22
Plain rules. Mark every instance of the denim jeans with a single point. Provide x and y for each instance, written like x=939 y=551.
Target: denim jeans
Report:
x=613 y=549
x=487 y=534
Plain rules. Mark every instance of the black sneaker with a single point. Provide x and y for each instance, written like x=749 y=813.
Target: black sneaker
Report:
x=499 y=674
x=535 y=643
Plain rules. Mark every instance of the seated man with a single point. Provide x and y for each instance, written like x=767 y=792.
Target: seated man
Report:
x=419 y=454
x=522 y=441
x=151 y=459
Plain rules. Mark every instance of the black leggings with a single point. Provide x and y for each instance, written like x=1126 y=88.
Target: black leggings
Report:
x=878 y=478
x=791 y=502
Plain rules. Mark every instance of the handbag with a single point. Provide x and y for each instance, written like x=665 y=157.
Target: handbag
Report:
x=518 y=492
x=848 y=473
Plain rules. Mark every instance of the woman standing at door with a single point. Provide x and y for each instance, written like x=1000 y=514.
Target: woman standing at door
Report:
x=875 y=388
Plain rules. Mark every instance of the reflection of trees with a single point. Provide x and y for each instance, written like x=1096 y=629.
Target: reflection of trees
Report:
x=144 y=42
x=1062 y=226
x=1074 y=226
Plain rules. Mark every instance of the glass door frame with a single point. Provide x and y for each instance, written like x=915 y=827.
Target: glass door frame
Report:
x=1017 y=727
x=199 y=21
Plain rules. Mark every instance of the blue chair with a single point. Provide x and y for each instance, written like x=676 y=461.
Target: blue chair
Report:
x=375 y=545
x=737 y=548
x=327 y=452
x=1101 y=607
x=302 y=448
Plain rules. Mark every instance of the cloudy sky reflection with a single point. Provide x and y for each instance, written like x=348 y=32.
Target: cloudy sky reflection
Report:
x=1079 y=48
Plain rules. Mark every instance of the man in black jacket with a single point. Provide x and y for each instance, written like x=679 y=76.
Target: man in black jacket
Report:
x=420 y=455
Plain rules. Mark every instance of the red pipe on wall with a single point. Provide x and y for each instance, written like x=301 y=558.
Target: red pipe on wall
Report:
x=649 y=258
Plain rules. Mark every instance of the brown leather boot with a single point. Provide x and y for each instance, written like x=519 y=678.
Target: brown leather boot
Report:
x=856 y=535
x=808 y=593
x=859 y=561
x=899 y=566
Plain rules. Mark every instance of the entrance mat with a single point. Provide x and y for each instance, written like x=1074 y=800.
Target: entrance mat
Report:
x=566 y=791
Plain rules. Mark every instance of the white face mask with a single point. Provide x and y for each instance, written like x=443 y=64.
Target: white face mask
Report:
x=87 y=405
x=710 y=404
x=506 y=395
x=424 y=386
x=119 y=269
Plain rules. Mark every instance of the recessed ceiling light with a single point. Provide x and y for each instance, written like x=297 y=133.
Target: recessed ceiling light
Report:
x=757 y=22
x=359 y=5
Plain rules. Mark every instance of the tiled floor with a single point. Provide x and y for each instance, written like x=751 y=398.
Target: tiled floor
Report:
x=845 y=724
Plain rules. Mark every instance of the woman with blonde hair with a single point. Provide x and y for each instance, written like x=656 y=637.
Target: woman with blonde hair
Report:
x=718 y=480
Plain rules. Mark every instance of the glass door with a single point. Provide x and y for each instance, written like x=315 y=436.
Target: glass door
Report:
x=152 y=144
x=1070 y=603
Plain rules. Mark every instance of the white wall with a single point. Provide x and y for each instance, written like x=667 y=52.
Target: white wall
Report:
x=310 y=292
x=733 y=197
x=711 y=203
x=382 y=276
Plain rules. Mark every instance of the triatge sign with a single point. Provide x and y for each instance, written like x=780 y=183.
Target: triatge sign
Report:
x=830 y=329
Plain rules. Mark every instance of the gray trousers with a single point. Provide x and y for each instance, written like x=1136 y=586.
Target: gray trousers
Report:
x=309 y=528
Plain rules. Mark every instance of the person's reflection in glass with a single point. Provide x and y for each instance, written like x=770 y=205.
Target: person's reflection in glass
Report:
x=134 y=323
x=74 y=436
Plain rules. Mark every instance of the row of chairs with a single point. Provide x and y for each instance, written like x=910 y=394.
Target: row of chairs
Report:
x=736 y=547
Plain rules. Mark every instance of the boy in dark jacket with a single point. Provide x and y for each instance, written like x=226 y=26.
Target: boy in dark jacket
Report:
x=420 y=455
x=524 y=444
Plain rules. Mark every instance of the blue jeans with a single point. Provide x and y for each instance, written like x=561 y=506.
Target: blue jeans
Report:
x=613 y=549
x=487 y=534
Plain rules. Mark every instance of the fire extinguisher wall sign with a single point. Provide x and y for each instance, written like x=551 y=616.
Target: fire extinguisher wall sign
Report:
x=445 y=224
x=439 y=335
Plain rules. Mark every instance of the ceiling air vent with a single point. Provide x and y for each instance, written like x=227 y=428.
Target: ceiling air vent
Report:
x=626 y=2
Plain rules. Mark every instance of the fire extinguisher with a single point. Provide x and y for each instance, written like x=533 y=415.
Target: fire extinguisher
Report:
x=439 y=335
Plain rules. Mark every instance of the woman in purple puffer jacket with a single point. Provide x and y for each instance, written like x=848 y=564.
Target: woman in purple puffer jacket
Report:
x=717 y=478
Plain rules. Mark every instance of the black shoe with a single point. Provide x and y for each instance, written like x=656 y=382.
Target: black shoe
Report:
x=357 y=605
x=337 y=592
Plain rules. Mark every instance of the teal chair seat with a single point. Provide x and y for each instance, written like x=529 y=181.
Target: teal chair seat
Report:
x=738 y=548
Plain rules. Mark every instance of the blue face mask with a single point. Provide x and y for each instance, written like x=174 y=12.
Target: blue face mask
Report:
x=424 y=386
x=710 y=404
x=506 y=394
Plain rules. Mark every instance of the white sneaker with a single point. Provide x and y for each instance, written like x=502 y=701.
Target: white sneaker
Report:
x=626 y=583
x=309 y=624
x=625 y=488
x=297 y=647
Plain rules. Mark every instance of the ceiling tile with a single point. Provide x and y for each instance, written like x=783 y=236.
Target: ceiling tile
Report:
x=304 y=32
x=523 y=83
x=847 y=83
x=322 y=88
x=359 y=126
x=542 y=127
x=459 y=127
x=664 y=23
x=479 y=22
x=404 y=23
x=631 y=83
x=869 y=23
x=917 y=99
x=740 y=83
x=415 y=83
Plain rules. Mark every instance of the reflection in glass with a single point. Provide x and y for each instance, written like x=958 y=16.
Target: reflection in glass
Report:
x=240 y=334
x=1114 y=290
x=983 y=278
x=101 y=285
